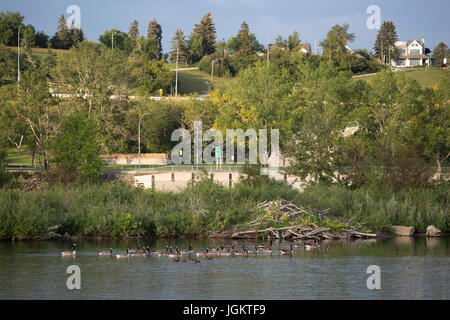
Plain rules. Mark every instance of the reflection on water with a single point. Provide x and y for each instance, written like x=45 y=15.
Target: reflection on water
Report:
x=411 y=268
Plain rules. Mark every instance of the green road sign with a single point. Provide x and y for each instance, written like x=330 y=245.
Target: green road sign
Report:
x=218 y=152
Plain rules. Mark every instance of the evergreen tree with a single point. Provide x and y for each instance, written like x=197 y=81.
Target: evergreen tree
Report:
x=179 y=40
x=131 y=43
x=385 y=48
x=155 y=32
x=195 y=46
x=245 y=41
x=61 y=39
x=206 y=32
x=76 y=36
x=134 y=30
x=439 y=53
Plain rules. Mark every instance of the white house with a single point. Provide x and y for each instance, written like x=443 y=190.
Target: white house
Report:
x=411 y=53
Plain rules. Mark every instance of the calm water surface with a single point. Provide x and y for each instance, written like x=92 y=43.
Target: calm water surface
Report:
x=410 y=269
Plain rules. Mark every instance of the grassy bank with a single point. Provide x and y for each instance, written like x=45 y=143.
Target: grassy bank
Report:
x=382 y=208
x=117 y=210
x=426 y=77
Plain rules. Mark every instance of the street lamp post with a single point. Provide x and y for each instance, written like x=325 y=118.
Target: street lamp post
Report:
x=212 y=70
x=176 y=74
x=139 y=138
x=18 y=56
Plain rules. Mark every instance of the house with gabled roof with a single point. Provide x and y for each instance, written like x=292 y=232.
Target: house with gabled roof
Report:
x=411 y=53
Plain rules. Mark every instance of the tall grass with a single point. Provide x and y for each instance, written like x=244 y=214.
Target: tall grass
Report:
x=115 y=209
x=382 y=208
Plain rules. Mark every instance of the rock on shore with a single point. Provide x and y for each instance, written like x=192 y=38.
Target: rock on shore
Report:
x=403 y=231
x=432 y=231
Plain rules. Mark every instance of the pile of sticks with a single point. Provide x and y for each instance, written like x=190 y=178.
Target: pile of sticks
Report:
x=281 y=210
x=33 y=183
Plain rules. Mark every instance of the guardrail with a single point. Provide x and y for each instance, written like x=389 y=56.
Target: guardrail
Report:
x=171 y=168
x=12 y=167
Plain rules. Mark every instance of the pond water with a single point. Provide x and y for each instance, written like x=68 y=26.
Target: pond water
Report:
x=411 y=268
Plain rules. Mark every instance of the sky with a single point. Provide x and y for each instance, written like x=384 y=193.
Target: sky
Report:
x=414 y=19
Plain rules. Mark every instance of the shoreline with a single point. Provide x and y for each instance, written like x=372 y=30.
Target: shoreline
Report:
x=380 y=235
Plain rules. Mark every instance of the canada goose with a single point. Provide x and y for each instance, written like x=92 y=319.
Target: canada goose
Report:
x=69 y=253
x=226 y=253
x=264 y=250
x=253 y=251
x=215 y=250
x=202 y=254
x=291 y=251
x=267 y=247
x=124 y=255
x=145 y=252
x=310 y=246
x=162 y=253
x=206 y=254
x=187 y=251
x=138 y=250
x=241 y=253
x=176 y=254
x=105 y=253
x=211 y=253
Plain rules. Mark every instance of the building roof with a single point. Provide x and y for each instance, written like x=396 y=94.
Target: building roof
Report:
x=421 y=42
x=306 y=46
x=407 y=43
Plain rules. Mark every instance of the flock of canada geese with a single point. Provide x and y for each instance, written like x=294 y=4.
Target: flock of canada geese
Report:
x=219 y=251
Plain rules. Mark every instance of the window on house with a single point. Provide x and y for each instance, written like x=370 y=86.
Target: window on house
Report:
x=401 y=51
x=414 y=62
x=414 y=50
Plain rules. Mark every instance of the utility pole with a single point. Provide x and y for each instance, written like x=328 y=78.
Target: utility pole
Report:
x=223 y=47
x=139 y=138
x=390 y=65
x=176 y=73
x=18 y=56
x=112 y=40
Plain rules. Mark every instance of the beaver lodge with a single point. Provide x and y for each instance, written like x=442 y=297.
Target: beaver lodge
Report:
x=281 y=219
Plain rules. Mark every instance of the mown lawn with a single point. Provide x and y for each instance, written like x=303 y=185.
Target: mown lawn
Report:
x=196 y=81
x=426 y=77
x=23 y=157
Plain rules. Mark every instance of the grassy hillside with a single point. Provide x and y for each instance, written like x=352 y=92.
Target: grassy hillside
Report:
x=425 y=77
x=196 y=81
x=38 y=50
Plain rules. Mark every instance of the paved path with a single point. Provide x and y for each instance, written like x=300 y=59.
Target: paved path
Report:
x=393 y=70
x=185 y=69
